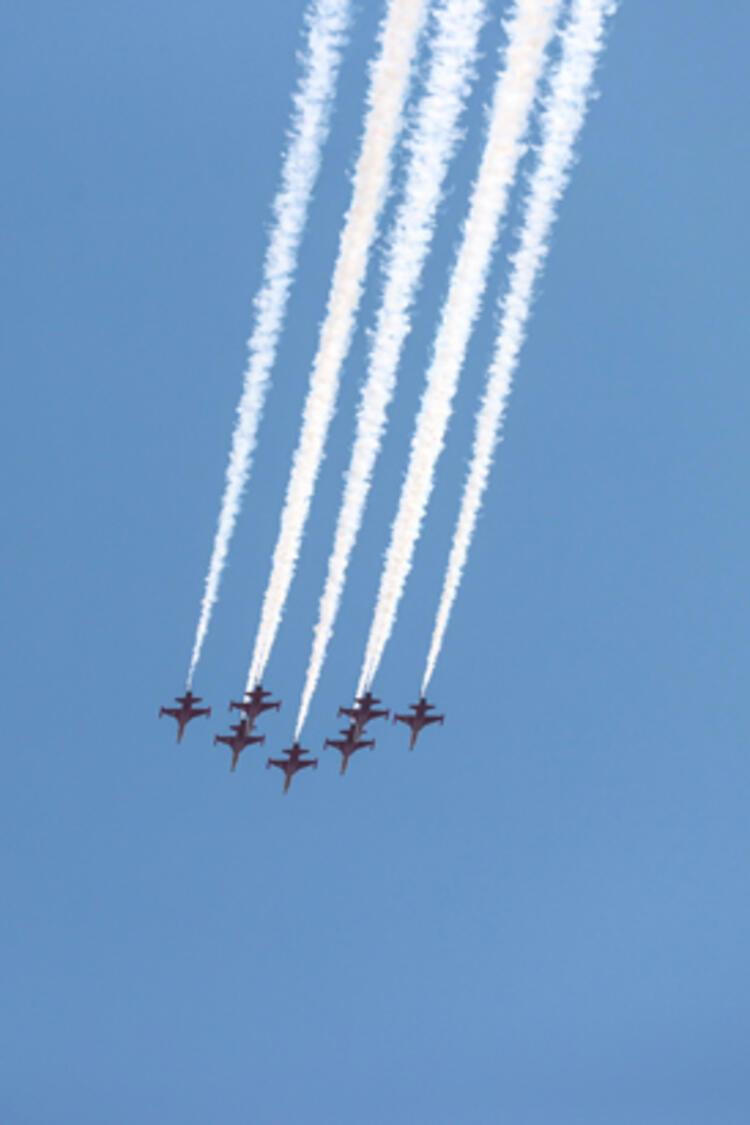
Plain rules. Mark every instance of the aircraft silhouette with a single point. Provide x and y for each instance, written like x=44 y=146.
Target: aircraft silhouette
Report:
x=419 y=720
x=292 y=763
x=348 y=745
x=238 y=741
x=254 y=704
x=185 y=712
x=363 y=711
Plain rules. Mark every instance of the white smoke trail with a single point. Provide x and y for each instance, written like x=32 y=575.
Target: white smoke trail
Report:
x=562 y=119
x=434 y=137
x=327 y=21
x=389 y=84
x=529 y=31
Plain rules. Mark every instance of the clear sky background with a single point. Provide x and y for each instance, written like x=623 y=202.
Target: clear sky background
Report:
x=542 y=915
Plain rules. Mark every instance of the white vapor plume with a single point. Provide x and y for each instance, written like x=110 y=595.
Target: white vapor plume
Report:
x=562 y=119
x=389 y=83
x=327 y=22
x=528 y=31
x=432 y=143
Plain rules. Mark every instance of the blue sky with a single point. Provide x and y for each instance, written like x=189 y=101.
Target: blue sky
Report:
x=541 y=916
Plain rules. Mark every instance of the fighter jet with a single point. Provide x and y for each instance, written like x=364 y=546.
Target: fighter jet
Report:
x=348 y=745
x=254 y=704
x=238 y=741
x=185 y=712
x=292 y=763
x=419 y=720
x=363 y=711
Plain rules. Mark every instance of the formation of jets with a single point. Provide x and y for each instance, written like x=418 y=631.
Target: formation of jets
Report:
x=256 y=702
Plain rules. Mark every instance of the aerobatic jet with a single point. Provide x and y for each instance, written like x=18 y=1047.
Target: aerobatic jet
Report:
x=419 y=720
x=185 y=712
x=254 y=704
x=292 y=763
x=348 y=745
x=238 y=741
x=364 y=711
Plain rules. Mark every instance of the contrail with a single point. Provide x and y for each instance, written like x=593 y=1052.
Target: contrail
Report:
x=389 y=84
x=327 y=22
x=562 y=119
x=433 y=141
x=529 y=31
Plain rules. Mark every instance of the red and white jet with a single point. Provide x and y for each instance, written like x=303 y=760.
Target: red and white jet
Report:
x=292 y=763
x=239 y=741
x=254 y=704
x=348 y=745
x=419 y=720
x=185 y=712
x=363 y=711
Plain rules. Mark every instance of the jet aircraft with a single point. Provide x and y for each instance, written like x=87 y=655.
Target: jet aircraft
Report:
x=238 y=741
x=185 y=712
x=363 y=711
x=292 y=763
x=419 y=720
x=255 y=704
x=348 y=745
